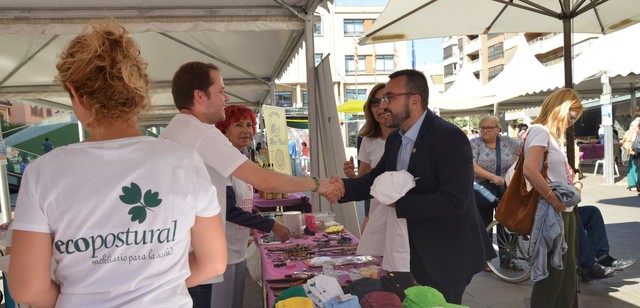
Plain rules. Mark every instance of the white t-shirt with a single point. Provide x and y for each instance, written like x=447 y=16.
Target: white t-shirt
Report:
x=120 y=213
x=558 y=168
x=371 y=150
x=217 y=152
x=237 y=235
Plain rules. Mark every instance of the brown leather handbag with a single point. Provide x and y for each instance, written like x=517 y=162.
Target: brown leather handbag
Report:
x=517 y=208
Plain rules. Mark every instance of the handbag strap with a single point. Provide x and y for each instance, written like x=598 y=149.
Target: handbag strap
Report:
x=498 y=157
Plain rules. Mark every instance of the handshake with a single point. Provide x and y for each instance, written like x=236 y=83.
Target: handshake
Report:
x=332 y=188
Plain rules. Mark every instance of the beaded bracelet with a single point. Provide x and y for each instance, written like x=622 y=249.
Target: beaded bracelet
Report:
x=315 y=178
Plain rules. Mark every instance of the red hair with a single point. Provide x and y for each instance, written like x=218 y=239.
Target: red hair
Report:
x=234 y=114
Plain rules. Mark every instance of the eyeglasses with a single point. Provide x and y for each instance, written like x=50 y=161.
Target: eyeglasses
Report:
x=389 y=95
x=375 y=102
x=487 y=127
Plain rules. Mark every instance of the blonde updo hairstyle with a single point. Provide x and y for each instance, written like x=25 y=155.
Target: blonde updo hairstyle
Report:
x=104 y=66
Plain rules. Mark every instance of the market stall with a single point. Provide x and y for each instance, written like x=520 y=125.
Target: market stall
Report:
x=330 y=251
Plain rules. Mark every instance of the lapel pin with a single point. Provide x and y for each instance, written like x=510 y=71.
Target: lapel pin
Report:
x=414 y=150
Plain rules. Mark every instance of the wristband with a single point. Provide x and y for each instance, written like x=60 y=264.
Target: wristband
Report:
x=315 y=178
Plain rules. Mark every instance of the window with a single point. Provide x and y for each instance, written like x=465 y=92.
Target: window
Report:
x=360 y=94
x=448 y=85
x=448 y=52
x=48 y=112
x=317 y=29
x=384 y=64
x=495 y=52
x=305 y=98
x=318 y=58
x=350 y=64
x=353 y=127
x=284 y=99
x=36 y=111
x=492 y=35
x=449 y=69
x=353 y=27
x=494 y=71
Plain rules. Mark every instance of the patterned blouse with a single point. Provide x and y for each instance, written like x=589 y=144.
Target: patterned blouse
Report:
x=485 y=157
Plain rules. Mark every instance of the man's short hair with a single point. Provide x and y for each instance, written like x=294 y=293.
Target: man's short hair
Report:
x=416 y=83
x=190 y=76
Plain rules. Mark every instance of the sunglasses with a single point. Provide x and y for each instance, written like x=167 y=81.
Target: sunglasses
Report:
x=375 y=102
x=573 y=118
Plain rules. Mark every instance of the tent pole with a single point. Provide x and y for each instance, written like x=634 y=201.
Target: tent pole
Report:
x=568 y=83
x=314 y=161
x=607 y=123
x=5 y=200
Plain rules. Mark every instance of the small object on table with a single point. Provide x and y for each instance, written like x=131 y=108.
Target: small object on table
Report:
x=308 y=232
x=334 y=229
x=310 y=222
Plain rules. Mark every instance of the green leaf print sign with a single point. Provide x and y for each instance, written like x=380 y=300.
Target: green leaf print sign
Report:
x=132 y=195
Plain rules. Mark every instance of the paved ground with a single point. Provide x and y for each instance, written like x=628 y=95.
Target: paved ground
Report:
x=621 y=210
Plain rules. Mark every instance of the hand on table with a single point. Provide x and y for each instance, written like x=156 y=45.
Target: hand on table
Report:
x=281 y=231
x=349 y=168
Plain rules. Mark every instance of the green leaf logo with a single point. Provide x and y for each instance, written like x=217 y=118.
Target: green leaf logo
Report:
x=132 y=195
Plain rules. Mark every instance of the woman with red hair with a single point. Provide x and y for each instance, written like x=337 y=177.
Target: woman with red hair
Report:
x=240 y=126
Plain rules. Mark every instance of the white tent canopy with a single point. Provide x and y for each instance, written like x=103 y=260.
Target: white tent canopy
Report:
x=523 y=74
x=616 y=54
x=467 y=92
x=252 y=41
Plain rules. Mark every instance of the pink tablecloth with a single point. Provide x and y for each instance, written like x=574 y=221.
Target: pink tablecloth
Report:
x=269 y=272
x=295 y=199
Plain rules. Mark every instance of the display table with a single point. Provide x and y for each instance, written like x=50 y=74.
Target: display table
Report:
x=589 y=153
x=269 y=258
x=296 y=202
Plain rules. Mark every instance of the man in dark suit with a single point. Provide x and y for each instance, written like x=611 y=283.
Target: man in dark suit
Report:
x=448 y=243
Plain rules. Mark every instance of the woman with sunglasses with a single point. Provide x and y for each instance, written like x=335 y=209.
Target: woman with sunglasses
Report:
x=559 y=111
x=374 y=134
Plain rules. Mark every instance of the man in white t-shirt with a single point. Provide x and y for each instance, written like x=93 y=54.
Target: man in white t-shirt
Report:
x=198 y=93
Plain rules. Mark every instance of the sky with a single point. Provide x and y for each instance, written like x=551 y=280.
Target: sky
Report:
x=427 y=51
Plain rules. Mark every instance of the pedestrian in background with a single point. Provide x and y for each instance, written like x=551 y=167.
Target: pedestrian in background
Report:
x=47 y=146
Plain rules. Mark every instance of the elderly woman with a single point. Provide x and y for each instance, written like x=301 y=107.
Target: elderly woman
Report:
x=559 y=111
x=239 y=127
x=130 y=220
x=490 y=169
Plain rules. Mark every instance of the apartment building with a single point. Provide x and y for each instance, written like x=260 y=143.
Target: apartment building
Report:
x=356 y=69
x=490 y=54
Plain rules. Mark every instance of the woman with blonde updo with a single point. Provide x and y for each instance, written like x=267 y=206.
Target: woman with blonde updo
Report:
x=118 y=212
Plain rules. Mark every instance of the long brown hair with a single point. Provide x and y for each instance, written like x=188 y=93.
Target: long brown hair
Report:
x=371 y=127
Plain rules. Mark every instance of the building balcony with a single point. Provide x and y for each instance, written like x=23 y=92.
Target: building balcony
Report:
x=473 y=46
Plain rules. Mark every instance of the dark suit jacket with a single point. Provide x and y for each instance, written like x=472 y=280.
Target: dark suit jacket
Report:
x=442 y=219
